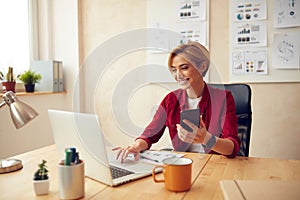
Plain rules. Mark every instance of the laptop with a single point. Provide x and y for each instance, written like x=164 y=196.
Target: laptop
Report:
x=83 y=132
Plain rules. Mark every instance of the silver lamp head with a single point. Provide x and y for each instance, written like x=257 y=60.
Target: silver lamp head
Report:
x=20 y=112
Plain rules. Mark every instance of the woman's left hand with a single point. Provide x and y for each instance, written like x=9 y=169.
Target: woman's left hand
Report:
x=196 y=136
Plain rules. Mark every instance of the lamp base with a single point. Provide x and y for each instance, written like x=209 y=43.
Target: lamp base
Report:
x=10 y=165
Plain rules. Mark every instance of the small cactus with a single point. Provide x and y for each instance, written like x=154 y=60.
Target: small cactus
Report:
x=10 y=75
x=42 y=172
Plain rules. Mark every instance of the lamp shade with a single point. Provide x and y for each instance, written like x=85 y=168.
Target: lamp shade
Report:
x=20 y=112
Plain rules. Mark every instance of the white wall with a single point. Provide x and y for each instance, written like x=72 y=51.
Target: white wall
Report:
x=64 y=46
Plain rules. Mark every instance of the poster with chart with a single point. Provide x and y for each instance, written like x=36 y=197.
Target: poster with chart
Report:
x=248 y=10
x=286 y=51
x=191 y=10
x=193 y=31
x=249 y=62
x=264 y=41
x=286 y=13
x=170 y=23
x=249 y=34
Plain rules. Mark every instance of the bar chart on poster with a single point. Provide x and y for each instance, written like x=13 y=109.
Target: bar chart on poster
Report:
x=173 y=23
x=265 y=45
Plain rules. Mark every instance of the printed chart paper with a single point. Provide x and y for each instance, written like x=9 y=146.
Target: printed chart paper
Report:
x=156 y=157
x=286 y=13
x=193 y=31
x=286 y=51
x=249 y=62
x=248 y=10
x=249 y=34
x=191 y=9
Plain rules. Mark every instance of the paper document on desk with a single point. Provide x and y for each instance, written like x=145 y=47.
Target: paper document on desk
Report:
x=156 y=157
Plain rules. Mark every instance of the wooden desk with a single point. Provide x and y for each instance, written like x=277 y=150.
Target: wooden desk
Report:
x=147 y=189
x=260 y=189
x=207 y=185
x=18 y=184
x=208 y=171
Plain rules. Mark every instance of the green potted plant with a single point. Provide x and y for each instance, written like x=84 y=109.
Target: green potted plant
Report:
x=30 y=78
x=9 y=83
x=41 y=179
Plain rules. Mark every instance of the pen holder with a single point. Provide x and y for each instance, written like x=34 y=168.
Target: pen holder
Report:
x=71 y=180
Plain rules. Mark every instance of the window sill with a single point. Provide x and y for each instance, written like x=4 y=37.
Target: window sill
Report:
x=36 y=93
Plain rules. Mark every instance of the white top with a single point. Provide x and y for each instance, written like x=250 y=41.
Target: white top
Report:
x=193 y=103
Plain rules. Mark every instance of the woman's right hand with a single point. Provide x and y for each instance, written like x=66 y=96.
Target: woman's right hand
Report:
x=134 y=149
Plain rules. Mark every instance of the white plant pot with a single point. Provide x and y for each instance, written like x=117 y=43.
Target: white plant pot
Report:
x=41 y=187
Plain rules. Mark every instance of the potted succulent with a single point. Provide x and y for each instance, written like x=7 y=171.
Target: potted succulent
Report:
x=29 y=78
x=41 y=179
x=9 y=83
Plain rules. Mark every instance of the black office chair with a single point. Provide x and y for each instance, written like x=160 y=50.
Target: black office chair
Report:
x=242 y=97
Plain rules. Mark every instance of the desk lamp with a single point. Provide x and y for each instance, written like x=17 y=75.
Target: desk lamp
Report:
x=20 y=114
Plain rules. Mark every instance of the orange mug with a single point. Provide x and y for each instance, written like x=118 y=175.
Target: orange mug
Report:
x=177 y=174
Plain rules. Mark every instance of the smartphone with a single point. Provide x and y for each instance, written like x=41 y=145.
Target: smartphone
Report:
x=191 y=115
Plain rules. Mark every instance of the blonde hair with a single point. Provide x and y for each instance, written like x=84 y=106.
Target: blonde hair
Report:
x=193 y=52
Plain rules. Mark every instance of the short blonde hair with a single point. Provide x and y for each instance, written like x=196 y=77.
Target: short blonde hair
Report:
x=193 y=52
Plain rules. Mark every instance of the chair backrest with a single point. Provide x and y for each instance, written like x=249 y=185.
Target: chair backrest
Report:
x=242 y=97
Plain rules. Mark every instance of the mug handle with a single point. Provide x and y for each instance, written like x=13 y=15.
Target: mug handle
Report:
x=154 y=174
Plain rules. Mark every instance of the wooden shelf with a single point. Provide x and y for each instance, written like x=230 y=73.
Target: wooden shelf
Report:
x=36 y=93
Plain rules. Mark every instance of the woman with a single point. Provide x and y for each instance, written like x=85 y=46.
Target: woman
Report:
x=217 y=132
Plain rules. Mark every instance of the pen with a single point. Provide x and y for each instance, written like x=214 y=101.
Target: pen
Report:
x=149 y=159
x=68 y=158
x=72 y=157
x=77 y=161
x=73 y=154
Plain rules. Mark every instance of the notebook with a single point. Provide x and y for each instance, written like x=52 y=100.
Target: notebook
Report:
x=83 y=132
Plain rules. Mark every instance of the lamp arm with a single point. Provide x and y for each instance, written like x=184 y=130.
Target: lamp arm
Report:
x=2 y=104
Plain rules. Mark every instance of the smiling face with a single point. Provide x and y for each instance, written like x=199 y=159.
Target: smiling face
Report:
x=187 y=76
x=188 y=64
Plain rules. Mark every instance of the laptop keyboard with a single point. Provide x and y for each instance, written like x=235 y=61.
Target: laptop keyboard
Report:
x=117 y=172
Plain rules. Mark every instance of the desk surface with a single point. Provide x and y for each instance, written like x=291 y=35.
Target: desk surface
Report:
x=260 y=189
x=208 y=171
